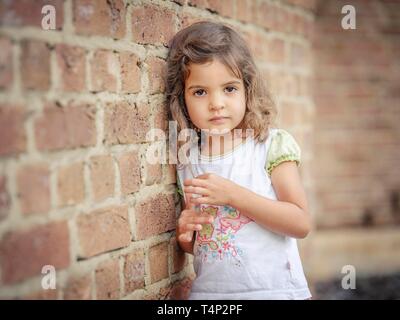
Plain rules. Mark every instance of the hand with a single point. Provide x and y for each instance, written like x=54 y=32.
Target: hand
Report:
x=190 y=220
x=212 y=189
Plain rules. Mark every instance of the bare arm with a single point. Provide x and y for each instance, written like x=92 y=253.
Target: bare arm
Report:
x=288 y=215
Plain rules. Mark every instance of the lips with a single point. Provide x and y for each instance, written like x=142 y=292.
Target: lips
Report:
x=218 y=118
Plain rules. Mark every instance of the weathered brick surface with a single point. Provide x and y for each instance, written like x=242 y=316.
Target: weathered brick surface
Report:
x=79 y=288
x=107 y=280
x=158 y=257
x=24 y=252
x=129 y=168
x=35 y=65
x=29 y=13
x=70 y=184
x=5 y=200
x=33 y=183
x=72 y=67
x=152 y=24
x=126 y=123
x=134 y=270
x=178 y=256
x=12 y=131
x=100 y=17
x=102 y=176
x=76 y=122
x=6 y=71
x=103 y=230
x=156 y=72
x=130 y=73
x=155 y=215
x=104 y=66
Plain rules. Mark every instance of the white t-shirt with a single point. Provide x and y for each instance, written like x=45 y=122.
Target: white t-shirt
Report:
x=235 y=258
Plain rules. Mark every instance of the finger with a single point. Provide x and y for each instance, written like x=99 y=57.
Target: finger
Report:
x=202 y=200
x=196 y=183
x=190 y=227
x=197 y=190
x=203 y=220
x=203 y=176
x=186 y=237
x=189 y=203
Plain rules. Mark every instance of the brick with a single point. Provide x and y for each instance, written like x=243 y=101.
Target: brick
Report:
x=126 y=123
x=153 y=174
x=102 y=176
x=178 y=256
x=100 y=17
x=44 y=294
x=24 y=252
x=134 y=271
x=70 y=184
x=103 y=230
x=130 y=73
x=179 y=290
x=5 y=200
x=129 y=168
x=79 y=288
x=29 y=13
x=152 y=24
x=107 y=280
x=155 y=215
x=72 y=65
x=170 y=176
x=158 y=258
x=156 y=74
x=224 y=8
x=161 y=119
x=289 y=115
x=265 y=16
x=75 y=121
x=35 y=65
x=245 y=11
x=276 y=51
x=6 y=69
x=299 y=55
x=104 y=71
x=202 y=4
x=33 y=184
x=306 y=4
x=12 y=131
x=186 y=19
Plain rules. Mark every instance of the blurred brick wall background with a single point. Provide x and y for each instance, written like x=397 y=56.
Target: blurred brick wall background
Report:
x=76 y=103
x=357 y=135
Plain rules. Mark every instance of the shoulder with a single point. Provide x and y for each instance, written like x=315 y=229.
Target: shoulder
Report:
x=283 y=147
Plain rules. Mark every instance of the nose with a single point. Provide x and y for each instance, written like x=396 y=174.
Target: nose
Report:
x=216 y=102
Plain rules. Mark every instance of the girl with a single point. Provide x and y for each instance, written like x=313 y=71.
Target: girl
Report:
x=251 y=206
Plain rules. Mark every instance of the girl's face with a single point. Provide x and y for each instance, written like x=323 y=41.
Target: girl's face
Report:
x=212 y=90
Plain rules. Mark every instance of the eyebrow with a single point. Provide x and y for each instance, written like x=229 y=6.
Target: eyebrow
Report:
x=199 y=86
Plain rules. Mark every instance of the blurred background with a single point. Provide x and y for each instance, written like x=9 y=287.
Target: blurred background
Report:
x=82 y=82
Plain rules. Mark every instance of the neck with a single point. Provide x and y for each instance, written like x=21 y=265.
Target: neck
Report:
x=219 y=145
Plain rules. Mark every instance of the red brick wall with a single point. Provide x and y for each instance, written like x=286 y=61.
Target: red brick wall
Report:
x=357 y=134
x=75 y=106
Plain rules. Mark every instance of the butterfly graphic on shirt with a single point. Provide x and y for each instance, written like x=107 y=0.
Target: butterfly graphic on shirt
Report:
x=218 y=239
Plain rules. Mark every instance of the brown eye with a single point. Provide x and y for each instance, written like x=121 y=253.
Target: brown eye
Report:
x=199 y=93
x=230 y=89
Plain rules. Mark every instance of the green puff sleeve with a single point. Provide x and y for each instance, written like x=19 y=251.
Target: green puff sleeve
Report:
x=283 y=147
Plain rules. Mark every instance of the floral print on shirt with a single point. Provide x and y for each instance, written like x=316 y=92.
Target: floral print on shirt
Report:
x=216 y=241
